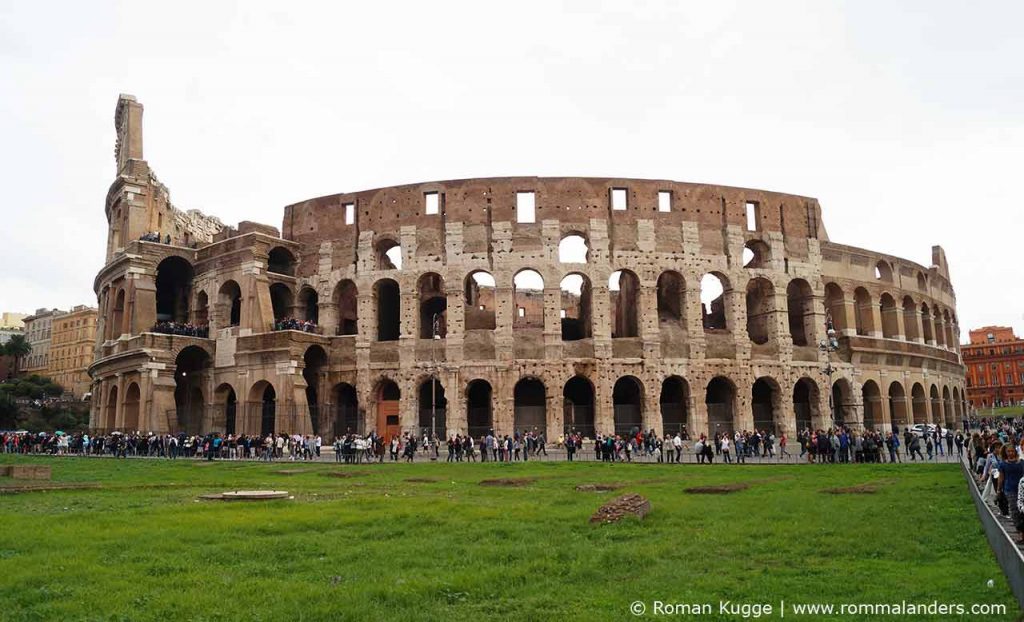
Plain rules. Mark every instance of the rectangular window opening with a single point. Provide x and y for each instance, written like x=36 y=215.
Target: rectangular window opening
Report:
x=433 y=204
x=752 y=216
x=350 y=213
x=664 y=201
x=526 y=208
x=619 y=199
x=522 y=312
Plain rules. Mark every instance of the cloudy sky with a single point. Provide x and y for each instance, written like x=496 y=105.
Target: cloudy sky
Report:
x=903 y=119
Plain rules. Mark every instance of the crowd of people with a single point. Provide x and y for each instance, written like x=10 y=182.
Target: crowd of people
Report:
x=154 y=236
x=184 y=329
x=290 y=323
x=995 y=455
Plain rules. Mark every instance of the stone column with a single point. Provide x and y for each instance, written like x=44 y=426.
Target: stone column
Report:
x=328 y=316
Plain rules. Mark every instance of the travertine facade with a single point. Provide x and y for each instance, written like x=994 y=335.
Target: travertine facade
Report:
x=614 y=339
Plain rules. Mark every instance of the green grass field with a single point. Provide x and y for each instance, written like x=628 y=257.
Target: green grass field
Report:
x=375 y=546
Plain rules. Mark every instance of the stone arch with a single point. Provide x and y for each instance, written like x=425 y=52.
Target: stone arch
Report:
x=760 y=309
x=479 y=408
x=806 y=404
x=800 y=311
x=871 y=396
x=947 y=408
x=864 y=311
x=480 y=301
x=890 y=317
x=628 y=405
x=347 y=419
x=433 y=305
x=898 y=408
x=766 y=404
x=919 y=401
x=314 y=372
x=715 y=313
x=173 y=289
x=225 y=400
x=389 y=254
x=578 y=406
x=883 y=271
x=346 y=300
x=262 y=413
x=229 y=297
x=926 y=324
x=282 y=300
x=117 y=323
x=576 y=309
x=910 y=319
x=935 y=404
x=132 y=399
x=387 y=296
x=574 y=248
x=842 y=402
x=309 y=305
x=433 y=408
x=937 y=328
x=756 y=254
x=674 y=403
x=110 y=420
x=922 y=282
x=388 y=397
x=720 y=399
x=282 y=261
x=835 y=306
x=528 y=298
x=624 y=292
x=950 y=337
x=191 y=373
x=529 y=400
x=201 y=313
x=671 y=298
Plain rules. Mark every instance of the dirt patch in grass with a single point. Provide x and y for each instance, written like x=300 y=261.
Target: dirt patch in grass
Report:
x=345 y=474
x=292 y=471
x=598 y=487
x=619 y=508
x=20 y=487
x=721 y=489
x=517 y=481
x=859 y=489
x=422 y=480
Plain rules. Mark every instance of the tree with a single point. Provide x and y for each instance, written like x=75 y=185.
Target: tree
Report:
x=17 y=347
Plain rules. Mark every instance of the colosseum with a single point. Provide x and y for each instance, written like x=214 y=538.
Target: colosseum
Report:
x=594 y=304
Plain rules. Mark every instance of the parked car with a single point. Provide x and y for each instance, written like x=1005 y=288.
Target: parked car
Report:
x=919 y=429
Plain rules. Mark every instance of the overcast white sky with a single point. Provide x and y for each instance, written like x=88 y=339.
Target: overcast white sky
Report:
x=903 y=119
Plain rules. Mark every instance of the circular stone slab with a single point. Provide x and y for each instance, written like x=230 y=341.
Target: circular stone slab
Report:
x=254 y=495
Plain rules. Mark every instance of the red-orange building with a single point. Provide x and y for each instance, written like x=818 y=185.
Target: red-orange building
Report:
x=995 y=367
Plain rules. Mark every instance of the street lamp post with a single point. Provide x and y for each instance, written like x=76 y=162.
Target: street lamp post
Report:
x=828 y=346
x=433 y=384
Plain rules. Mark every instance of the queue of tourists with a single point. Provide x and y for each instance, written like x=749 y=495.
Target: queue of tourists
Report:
x=995 y=456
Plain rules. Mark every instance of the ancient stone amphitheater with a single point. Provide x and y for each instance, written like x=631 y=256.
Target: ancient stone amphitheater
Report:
x=595 y=304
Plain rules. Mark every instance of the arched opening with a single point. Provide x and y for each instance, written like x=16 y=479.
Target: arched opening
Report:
x=479 y=412
x=842 y=402
x=624 y=289
x=883 y=271
x=898 y=406
x=314 y=373
x=388 y=399
x=910 y=319
x=281 y=261
x=760 y=309
x=116 y=328
x=922 y=282
x=528 y=297
x=806 y=404
x=936 y=405
x=957 y=406
x=800 y=310
x=309 y=305
x=713 y=288
x=480 y=302
x=939 y=328
x=835 y=306
x=389 y=309
x=433 y=306
x=628 y=406
x=227 y=404
x=433 y=406
x=110 y=420
x=920 y=403
x=926 y=324
x=282 y=301
x=674 y=403
x=230 y=299
x=191 y=369
x=389 y=255
x=575 y=307
x=720 y=399
x=756 y=254
x=529 y=405
x=890 y=317
x=346 y=410
x=947 y=408
x=132 y=397
x=578 y=406
x=173 y=289
x=671 y=298
x=872 y=397
x=263 y=397
x=864 y=312
x=573 y=249
x=949 y=338
x=346 y=298
x=202 y=312
x=765 y=404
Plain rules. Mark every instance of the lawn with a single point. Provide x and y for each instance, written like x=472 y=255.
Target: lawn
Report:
x=137 y=545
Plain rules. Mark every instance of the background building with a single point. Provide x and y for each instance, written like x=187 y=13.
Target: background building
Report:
x=38 y=329
x=7 y=332
x=197 y=327
x=71 y=349
x=9 y=319
x=995 y=367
